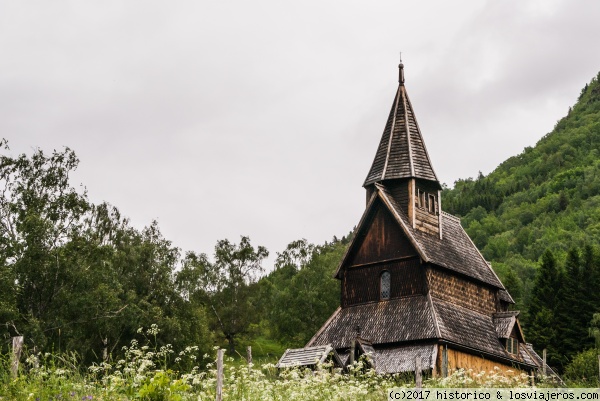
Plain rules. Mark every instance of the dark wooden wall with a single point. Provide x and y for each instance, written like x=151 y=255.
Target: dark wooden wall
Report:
x=361 y=284
x=382 y=239
x=399 y=190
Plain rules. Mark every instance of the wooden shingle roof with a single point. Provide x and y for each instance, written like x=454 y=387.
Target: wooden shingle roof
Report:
x=308 y=356
x=412 y=319
x=505 y=322
x=401 y=152
x=468 y=328
x=505 y=296
x=401 y=319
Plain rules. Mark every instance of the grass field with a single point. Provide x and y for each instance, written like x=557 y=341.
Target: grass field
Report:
x=163 y=374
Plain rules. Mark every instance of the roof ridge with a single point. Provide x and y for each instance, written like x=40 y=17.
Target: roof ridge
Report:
x=423 y=142
x=355 y=231
x=411 y=162
x=506 y=313
x=389 y=148
x=435 y=315
x=451 y=216
x=382 y=191
x=318 y=333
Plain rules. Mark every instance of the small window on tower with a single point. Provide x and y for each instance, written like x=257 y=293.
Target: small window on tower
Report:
x=431 y=204
x=385 y=285
x=421 y=198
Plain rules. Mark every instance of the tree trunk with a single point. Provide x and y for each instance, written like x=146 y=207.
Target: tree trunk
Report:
x=231 y=342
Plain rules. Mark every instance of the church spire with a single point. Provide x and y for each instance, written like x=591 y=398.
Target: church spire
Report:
x=401 y=152
x=401 y=73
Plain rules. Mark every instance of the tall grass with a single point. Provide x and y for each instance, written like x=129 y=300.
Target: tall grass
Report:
x=146 y=372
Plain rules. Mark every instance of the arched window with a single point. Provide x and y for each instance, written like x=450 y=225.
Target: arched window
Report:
x=385 y=285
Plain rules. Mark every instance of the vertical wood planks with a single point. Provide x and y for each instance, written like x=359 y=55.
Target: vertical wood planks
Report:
x=17 y=349
x=418 y=373
x=219 y=396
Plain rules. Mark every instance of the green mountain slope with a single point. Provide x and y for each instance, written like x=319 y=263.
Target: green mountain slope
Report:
x=548 y=197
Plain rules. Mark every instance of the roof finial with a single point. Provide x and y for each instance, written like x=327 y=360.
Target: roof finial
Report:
x=401 y=68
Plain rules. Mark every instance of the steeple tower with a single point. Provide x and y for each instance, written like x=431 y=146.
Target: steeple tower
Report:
x=405 y=289
x=403 y=165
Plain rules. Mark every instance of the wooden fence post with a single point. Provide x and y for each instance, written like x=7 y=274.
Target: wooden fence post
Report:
x=249 y=357
x=219 y=374
x=418 y=373
x=544 y=359
x=36 y=359
x=17 y=348
x=105 y=349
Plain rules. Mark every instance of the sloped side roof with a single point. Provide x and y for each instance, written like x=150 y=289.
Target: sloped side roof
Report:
x=539 y=362
x=468 y=328
x=366 y=348
x=401 y=319
x=401 y=152
x=505 y=296
x=307 y=356
x=454 y=250
x=415 y=318
x=402 y=358
x=504 y=322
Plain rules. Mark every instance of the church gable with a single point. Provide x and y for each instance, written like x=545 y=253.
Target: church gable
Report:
x=381 y=263
x=379 y=239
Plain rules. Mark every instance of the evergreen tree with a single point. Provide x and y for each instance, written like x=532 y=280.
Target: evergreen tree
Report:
x=590 y=282
x=571 y=319
x=514 y=286
x=543 y=304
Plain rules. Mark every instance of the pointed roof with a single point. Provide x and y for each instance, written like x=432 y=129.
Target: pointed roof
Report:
x=505 y=323
x=401 y=152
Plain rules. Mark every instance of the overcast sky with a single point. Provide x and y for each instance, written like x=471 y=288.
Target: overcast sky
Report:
x=261 y=118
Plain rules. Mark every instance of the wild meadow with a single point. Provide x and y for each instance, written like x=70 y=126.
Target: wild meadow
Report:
x=149 y=372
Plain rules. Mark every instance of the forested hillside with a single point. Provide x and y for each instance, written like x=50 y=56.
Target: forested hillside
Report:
x=546 y=197
x=544 y=202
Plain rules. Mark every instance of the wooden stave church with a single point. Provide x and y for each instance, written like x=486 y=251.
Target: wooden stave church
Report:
x=413 y=284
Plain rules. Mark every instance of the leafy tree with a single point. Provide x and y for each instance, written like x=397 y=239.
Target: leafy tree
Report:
x=302 y=290
x=228 y=285
x=39 y=212
x=78 y=276
x=584 y=368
